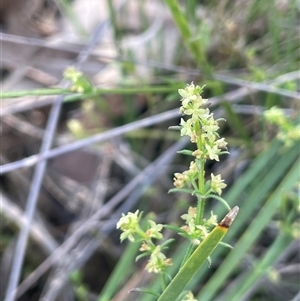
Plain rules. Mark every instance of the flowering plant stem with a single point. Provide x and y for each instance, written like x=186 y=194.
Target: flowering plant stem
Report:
x=199 y=256
x=199 y=124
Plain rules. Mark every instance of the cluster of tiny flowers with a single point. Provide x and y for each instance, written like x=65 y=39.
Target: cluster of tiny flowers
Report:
x=182 y=179
x=197 y=232
x=201 y=126
x=80 y=82
x=129 y=224
x=202 y=129
x=158 y=261
x=217 y=184
x=289 y=132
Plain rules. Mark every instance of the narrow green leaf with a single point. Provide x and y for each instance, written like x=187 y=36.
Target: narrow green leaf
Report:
x=122 y=269
x=185 y=152
x=199 y=256
x=220 y=199
x=189 y=191
x=145 y=291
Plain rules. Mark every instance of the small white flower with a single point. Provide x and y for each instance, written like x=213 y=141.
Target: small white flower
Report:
x=217 y=184
x=221 y=143
x=186 y=127
x=154 y=230
x=211 y=125
x=179 y=180
x=129 y=224
x=190 y=216
x=212 y=152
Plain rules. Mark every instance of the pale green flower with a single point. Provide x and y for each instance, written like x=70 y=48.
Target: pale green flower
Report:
x=275 y=116
x=80 y=82
x=212 y=152
x=191 y=94
x=188 y=96
x=217 y=184
x=179 y=180
x=210 y=125
x=212 y=221
x=198 y=154
x=189 y=91
x=210 y=137
x=194 y=137
x=192 y=172
x=190 y=216
x=193 y=167
x=144 y=247
x=195 y=109
x=187 y=101
x=204 y=231
x=288 y=131
x=186 y=127
x=197 y=232
x=129 y=224
x=72 y=74
x=154 y=230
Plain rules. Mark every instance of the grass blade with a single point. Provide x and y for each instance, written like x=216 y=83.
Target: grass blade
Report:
x=250 y=235
x=200 y=255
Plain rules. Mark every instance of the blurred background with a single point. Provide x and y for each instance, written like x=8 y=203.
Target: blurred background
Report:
x=71 y=165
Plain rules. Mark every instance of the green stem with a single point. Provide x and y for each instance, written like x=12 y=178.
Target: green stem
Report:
x=40 y=92
x=200 y=211
x=142 y=234
x=201 y=178
x=96 y=92
x=196 y=47
x=163 y=281
x=201 y=200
